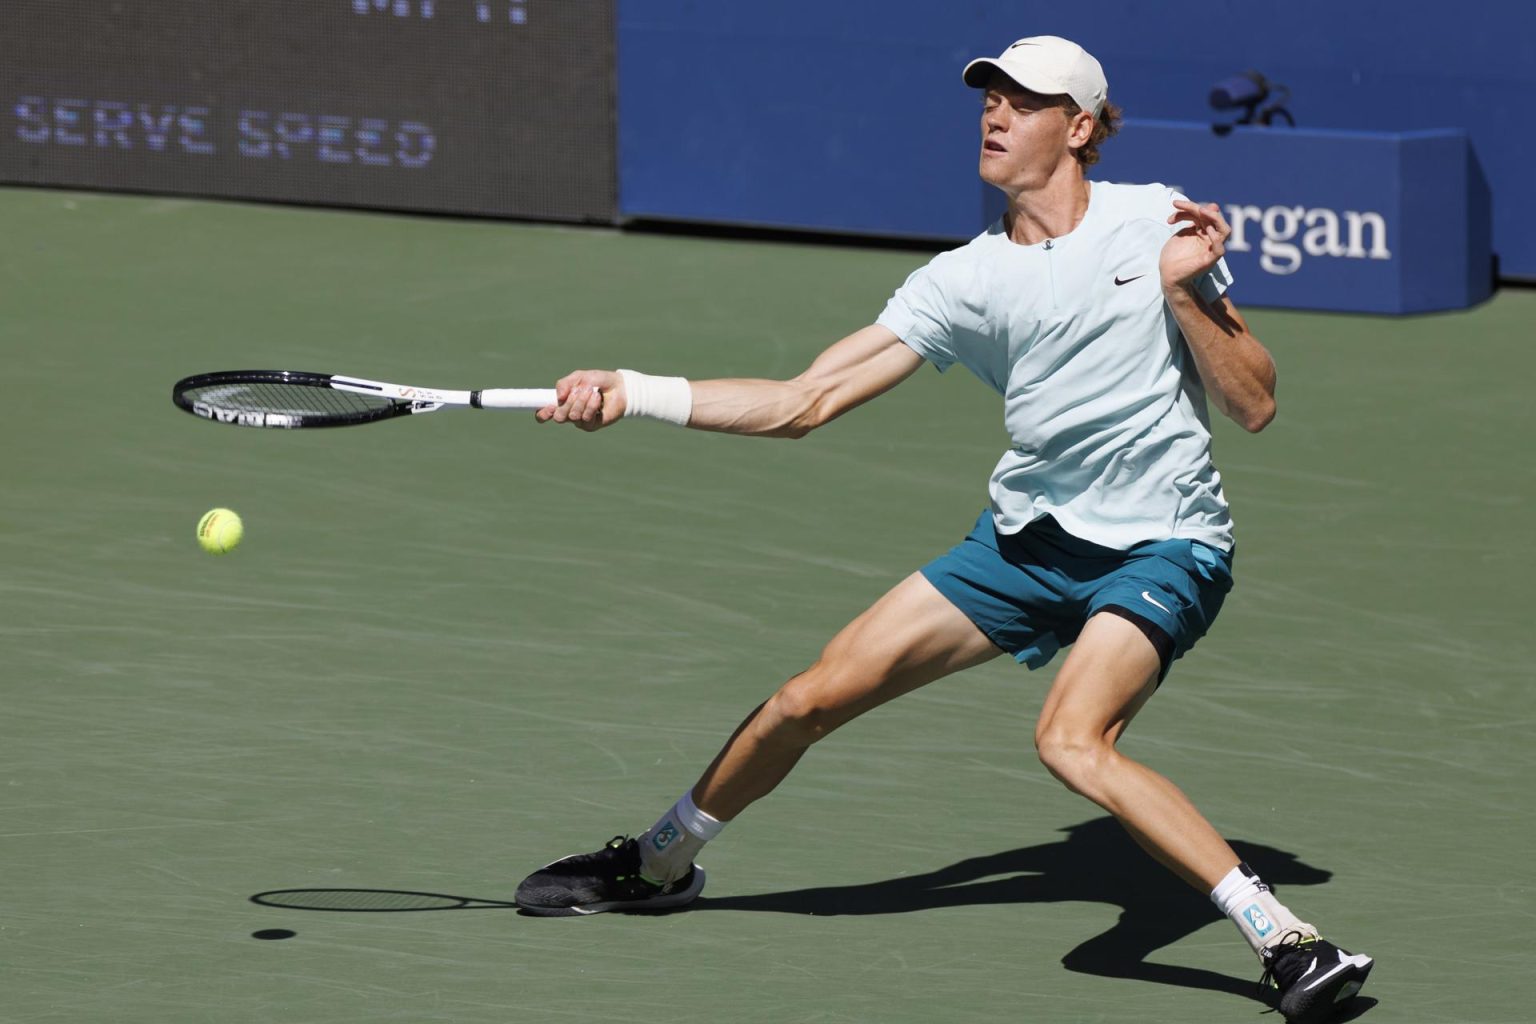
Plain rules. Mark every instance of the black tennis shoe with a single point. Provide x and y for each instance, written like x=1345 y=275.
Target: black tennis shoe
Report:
x=1313 y=976
x=608 y=880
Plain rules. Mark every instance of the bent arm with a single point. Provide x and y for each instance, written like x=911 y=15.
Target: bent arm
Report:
x=1237 y=371
x=1238 y=374
x=849 y=373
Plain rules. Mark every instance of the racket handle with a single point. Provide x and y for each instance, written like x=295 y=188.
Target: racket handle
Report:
x=512 y=398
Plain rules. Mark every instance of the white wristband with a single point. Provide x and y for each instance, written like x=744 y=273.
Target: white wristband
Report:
x=657 y=398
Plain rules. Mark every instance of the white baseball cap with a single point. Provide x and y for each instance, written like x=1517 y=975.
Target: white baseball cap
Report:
x=1050 y=66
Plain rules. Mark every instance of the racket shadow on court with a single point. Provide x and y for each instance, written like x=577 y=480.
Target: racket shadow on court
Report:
x=1096 y=863
x=373 y=901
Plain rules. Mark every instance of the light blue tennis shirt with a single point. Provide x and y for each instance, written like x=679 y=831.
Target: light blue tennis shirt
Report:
x=1102 y=399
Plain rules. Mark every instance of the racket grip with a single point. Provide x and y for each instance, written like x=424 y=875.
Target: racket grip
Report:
x=512 y=398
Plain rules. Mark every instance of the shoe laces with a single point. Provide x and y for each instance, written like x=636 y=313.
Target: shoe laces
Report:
x=620 y=852
x=624 y=853
x=1277 y=968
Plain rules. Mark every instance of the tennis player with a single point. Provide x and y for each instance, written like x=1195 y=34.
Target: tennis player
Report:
x=1099 y=313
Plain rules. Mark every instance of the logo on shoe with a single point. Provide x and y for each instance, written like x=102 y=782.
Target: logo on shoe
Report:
x=1258 y=921
x=664 y=836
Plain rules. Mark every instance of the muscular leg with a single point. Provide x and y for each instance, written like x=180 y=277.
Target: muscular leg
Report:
x=1109 y=675
x=911 y=636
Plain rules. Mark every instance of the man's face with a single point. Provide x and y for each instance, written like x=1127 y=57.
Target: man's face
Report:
x=1023 y=135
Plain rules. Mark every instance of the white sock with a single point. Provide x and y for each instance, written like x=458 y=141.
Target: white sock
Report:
x=668 y=848
x=1262 y=919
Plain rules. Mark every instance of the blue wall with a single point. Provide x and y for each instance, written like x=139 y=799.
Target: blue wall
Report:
x=849 y=115
x=1376 y=222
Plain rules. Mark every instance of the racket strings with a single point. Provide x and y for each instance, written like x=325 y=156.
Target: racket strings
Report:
x=287 y=399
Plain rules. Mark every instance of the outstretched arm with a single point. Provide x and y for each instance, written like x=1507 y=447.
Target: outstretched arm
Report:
x=867 y=363
x=1237 y=371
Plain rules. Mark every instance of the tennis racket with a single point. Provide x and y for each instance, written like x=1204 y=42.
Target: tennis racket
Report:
x=291 y=399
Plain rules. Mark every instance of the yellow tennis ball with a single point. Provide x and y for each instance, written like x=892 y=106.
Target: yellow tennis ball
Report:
x=219 y=530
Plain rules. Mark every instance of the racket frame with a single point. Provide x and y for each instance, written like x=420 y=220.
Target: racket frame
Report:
x=401 y=400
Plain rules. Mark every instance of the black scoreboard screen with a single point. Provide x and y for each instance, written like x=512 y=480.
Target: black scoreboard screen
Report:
x=493 y=107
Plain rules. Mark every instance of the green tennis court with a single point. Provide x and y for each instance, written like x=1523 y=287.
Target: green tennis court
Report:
x=454 y=647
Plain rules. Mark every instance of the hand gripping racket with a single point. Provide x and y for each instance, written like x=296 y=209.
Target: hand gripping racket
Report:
x=290 y=399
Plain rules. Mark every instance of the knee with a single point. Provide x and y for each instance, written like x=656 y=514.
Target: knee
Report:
x=805 y=709
x=1073 y=757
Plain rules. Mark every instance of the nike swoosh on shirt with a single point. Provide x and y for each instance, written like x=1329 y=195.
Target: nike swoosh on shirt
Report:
x=1150 y=600
x=1128 y=280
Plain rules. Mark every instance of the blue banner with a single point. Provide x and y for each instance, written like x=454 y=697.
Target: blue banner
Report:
x=1365 y=222
x=851 y=118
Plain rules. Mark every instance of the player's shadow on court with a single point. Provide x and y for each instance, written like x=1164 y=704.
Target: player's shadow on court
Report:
x=1096 y=863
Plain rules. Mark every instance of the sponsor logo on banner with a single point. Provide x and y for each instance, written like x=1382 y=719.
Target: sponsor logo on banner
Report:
x=1339 y=234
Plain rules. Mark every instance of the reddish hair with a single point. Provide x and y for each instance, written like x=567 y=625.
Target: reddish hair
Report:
x=1105 y=125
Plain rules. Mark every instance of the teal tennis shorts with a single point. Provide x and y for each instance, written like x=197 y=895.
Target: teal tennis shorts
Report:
x=1031 y=592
